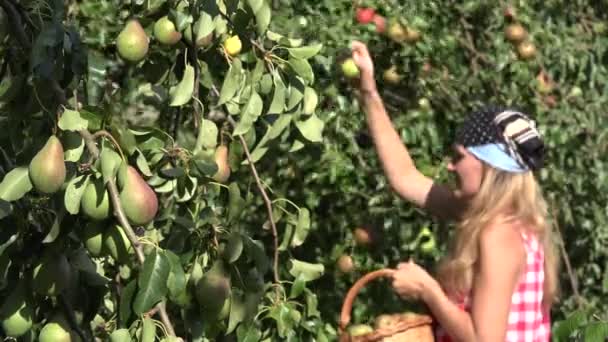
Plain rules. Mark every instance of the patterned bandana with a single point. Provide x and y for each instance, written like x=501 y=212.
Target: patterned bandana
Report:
x=504 y=138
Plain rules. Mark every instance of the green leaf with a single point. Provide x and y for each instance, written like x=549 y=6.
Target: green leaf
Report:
x=249 y=333
x=234 y=247
x=302 y=228
x=296 y=93
x=305 y=52
x=15 y=184
x=277 y=106
x=142 y=164
x=238 y=311
x=310 y=101
x=255 y=5
x=249 y=114
x=311 y=304
x=126 y=298
x=73 y=193
x=110 y=163
x=182 y=93
x=207 y=136
x=236 y=203
x=5 y=209
x=148 y=330
x=311 y=128
x=120 y=335
x=203 y=26
x=152 y=282
x=55 y=229
x=176 y=282
x=287 y=236
x=231 y=82
x=302 y=68
x=564 y=329
x=286 y=316
x=596 y=332
x=73 y=146
x=298 y=287
x=258 y=71
x=306 y=270
x=296 y=146
x=8 y=242
x=71 y=121
x=263 y=17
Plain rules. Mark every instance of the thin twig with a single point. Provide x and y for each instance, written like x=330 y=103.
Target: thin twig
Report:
x=104 y=133
x=267 y=201
x=124 y=223
x=566 y=258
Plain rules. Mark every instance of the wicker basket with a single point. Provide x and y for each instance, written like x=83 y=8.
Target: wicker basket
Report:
x=411 y=327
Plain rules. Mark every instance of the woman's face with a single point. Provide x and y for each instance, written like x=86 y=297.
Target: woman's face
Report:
x=468 y=170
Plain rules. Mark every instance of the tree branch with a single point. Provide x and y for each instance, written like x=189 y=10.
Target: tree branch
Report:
x=267 y=201
x=196 y=105
x=124 y=223
x=67 y=308
x=16 y=24
x=566 y=258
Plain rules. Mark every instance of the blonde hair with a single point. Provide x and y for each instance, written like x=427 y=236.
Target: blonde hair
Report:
x=506 y=197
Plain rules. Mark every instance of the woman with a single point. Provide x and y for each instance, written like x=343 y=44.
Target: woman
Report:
x=500 y=278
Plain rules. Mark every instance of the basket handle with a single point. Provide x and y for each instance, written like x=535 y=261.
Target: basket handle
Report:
x=347 y=306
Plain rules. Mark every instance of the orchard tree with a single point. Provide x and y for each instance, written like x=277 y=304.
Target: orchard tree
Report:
x=131 y=204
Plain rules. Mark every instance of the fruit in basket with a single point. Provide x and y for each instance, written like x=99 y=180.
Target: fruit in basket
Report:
x=359 y=329
x=385 y=321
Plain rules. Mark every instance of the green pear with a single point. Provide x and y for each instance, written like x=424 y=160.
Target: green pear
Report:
x=349 y=68
x=47 y=168
x=16 y=313
x=165 y=32
x=54 y=332
x=223 y=168
x=213 y=289
x=117 y=244
x=92 y=237
x=359 y=329
x=137 y=198
x=51 y=274
x=132 y=42
x=95 y=202
x=120 y=335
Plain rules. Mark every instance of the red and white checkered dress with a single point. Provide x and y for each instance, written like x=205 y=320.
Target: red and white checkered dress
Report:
x=528 y=321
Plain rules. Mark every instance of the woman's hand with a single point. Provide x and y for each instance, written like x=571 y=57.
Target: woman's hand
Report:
x=412 y=281
x=364 y=61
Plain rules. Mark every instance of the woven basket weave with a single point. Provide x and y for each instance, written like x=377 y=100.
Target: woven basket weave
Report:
x=404 y=328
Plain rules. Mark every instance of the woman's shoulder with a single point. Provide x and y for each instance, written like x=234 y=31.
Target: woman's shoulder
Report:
x=503 y=237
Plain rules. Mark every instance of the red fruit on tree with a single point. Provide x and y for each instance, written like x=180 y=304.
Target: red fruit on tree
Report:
x=365 y=15
x=380 y=23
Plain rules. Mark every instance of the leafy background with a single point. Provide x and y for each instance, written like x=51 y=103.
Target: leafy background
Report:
x=313 y=154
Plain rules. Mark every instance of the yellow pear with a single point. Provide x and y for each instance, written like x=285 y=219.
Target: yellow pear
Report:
x=233 y=45
x=223 y=168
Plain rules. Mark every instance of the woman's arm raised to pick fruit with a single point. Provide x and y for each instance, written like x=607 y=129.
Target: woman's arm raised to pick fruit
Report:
x=398 y=166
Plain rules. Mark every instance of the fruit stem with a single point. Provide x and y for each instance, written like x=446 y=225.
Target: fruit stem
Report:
x=266 y=201
x=104 y=133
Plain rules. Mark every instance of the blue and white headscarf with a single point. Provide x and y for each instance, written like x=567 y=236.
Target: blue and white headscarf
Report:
x=505 y=138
